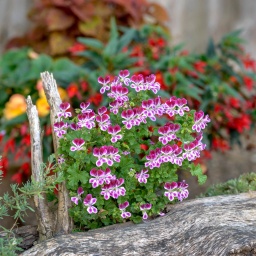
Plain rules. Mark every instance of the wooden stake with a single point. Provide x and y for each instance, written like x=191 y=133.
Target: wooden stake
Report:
x=44 y=215
x=64 y=222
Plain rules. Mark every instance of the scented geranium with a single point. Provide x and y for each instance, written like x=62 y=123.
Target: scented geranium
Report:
x=125 y=155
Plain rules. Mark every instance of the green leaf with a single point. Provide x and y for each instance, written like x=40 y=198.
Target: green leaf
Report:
x=111 y=47
x=126 y=39
x=17 y=120
x=231 y=91
x=91 y=42
x=41 y=64
x=196 y=170
x=65 y=71
x=211 y=52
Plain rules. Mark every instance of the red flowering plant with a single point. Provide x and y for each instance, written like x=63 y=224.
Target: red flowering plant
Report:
x=221 y=82
x=110 y=176
x=20 y=69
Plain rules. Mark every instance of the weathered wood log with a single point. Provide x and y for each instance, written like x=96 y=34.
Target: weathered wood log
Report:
x=222 y=225
x=64 y=222
x=44 y=215
x=29 y=235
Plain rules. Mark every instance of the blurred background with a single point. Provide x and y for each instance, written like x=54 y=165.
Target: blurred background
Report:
x=202 y=50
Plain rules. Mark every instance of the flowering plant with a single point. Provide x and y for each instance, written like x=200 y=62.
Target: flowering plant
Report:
x=109 y=175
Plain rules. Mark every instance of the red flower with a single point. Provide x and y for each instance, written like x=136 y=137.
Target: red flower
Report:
x=192 y=74
x=17 y=178
x=48 y=130
x=221 y=144
x=249 y=63
x=138 y=52
x=200 y=66
x=143 y=146
x=234 y=102
x=242 y=123
x=4 y=165
x=77 y=47
x=217 y=108
x=84 y=86
x=25 y=168
x=9 y=145
x=160 y=80
x=248 y=82
x=73 y=91
x=239 y=123
x=233 y=79
x=26 y=140
x=96 y=99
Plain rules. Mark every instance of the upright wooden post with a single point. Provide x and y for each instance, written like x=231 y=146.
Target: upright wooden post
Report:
x=64 y=222
x=44 y=215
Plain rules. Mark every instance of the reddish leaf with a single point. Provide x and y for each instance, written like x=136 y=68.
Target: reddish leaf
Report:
x=83 y=12
x=59 y=43
x=158 y=12
x=58 y=20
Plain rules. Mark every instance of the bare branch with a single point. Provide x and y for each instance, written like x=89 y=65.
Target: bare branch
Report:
x=44 y=215
x=64 y=222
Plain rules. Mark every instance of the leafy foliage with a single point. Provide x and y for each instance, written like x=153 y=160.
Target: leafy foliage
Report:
x=18 y=201
x=57 y=23
x=81 y=146
x=244 y=183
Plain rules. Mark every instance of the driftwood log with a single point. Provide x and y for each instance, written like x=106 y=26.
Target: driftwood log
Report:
x=221 y=225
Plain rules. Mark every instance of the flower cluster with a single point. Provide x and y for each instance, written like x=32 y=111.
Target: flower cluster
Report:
x=176 y=189
x=113 y=135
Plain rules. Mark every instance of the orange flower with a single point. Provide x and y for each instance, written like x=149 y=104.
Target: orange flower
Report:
x=15 y=106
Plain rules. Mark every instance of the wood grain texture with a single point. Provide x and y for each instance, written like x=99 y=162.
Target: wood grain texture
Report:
x=223 y=225
x=64 y=222
x=44 y=215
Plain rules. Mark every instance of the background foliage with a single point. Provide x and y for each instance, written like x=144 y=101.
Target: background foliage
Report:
x=220 y=81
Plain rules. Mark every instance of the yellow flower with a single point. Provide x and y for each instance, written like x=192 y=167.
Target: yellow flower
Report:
x=15 y=106
x=42 y=104
x=42 y=107
x=63 y=94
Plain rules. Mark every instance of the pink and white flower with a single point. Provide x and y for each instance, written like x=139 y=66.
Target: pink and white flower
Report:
x=115 y=105
x=200 y=121
x=84 y=107
x=75 y=199
x=119 y=93
x=103 y=121
x=137 y=82
x=122 y=207
x=168 y=132
x=78 y=144
x=123 y=74
x=142 y=176
x=114 y=130
x=98 y=178
x=106 y=154
x=176 y=189
x=89 y=201
x=86 y=120
x=105 y=83
x=144 y=208
x=64 y=106
x=60 y=128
